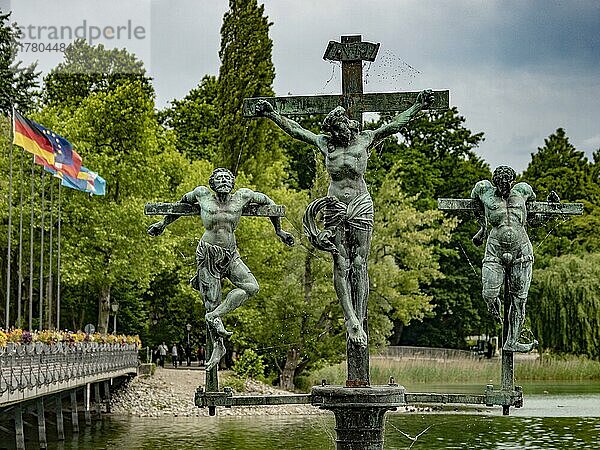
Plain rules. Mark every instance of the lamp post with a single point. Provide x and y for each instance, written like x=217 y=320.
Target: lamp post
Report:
x=188 y=350
x=115 y=307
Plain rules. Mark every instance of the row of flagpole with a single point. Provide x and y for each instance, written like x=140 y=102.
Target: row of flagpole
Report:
x=18 y=319
x=90 y=182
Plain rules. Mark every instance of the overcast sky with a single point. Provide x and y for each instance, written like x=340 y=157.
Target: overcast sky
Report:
x=517 y=70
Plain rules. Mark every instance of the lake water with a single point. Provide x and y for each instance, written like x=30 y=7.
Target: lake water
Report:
x=554 y=416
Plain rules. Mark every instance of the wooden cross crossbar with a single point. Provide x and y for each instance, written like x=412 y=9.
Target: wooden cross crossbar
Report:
x=187 y=209
x=533 y=208
x=351 y=51
x=322 y=104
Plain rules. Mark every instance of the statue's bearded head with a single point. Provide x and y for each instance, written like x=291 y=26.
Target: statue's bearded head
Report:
x=221 y=181
x=503 y=179
x=341 y=128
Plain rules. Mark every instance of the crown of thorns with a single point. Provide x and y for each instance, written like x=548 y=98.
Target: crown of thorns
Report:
x=335 y=115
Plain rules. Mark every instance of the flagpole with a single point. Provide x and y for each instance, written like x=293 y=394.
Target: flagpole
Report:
x=41 y=309
x=58 y=264
x=10 y=174
x=31 y=247
x=50 y=288
x=20 y=263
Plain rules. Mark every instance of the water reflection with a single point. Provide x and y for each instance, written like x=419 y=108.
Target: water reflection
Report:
x=548 y=421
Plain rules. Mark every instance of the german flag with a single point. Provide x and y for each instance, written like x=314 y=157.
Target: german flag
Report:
x=54 y=150
x=32 y=137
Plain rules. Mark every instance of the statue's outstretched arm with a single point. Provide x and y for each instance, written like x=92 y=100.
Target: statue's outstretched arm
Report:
x=157 y=228
x=264 y=199
x=291 y=127
x=479 y=213
x=424 y=99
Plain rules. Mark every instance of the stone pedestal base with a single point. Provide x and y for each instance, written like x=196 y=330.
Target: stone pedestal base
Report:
x=359 y=413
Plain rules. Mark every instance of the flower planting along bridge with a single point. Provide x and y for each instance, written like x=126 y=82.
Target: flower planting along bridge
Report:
x=38 y=377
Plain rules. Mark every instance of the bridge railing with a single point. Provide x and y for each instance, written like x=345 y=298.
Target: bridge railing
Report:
x=32 y=370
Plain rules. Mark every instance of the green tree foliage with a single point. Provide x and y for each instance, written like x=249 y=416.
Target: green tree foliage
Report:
x=565 y=304
x=564 y=294
x=302 y=157
x=437 y=159
x=88 y=69
x=194 y=120
x=17 y=83
x=404 y=259
x=250 y=146
x=110 y=119
x=559 y=166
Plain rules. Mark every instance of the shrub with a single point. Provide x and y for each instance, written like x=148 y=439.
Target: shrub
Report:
x=250 y=365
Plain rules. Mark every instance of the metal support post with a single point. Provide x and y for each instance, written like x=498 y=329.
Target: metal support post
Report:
x=74 y=414
x=86 y=405
x=19 y=434
x=60 y=424
x=97 y=399
x=41 y=424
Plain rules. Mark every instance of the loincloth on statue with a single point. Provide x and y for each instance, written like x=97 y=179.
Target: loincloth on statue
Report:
x=508 y=254
x=213 y=261
x=357 y=215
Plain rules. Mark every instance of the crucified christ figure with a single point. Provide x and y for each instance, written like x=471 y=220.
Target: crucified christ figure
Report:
x=348 y=208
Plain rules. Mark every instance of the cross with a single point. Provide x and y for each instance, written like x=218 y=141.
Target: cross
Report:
x=351 y=51
x=187 y=209
x=535 y=212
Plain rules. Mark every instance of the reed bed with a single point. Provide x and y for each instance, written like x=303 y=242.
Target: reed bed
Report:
x=467 y=370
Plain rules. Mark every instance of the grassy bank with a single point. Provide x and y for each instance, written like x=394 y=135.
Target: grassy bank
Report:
x=467 y=370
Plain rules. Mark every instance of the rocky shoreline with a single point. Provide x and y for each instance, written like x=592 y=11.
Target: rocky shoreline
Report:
x=170 y=392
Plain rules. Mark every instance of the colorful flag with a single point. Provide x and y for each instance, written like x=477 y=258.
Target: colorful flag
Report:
x=86 y=180
x=55 y=150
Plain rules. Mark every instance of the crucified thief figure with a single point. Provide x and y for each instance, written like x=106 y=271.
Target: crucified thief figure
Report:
x=348 y=208
x=216 y=255
x=508 y=251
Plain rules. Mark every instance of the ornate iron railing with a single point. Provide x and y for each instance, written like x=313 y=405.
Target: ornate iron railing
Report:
x=31 y=370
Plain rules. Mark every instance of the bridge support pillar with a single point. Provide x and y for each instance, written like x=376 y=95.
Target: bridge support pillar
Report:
x=74 y=415
x=97 y=398
x=41 y=424
x=60 y=424
x=19 y=433
x=86 y=404
x=107 y=395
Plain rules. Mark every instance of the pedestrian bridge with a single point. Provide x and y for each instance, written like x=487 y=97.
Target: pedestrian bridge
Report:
x=31 y=374
x=36 y=370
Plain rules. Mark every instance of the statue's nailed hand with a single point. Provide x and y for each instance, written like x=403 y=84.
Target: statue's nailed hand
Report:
x=263 y=108
x=156 y=229
x=426 y=98
x=286 y=238
x=479 y=236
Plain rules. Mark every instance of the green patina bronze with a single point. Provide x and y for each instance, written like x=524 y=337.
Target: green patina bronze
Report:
x=216 y=255
x=348 y=208
x=503 y=210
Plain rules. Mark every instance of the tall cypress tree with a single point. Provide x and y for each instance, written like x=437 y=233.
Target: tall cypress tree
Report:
x=246 y=71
